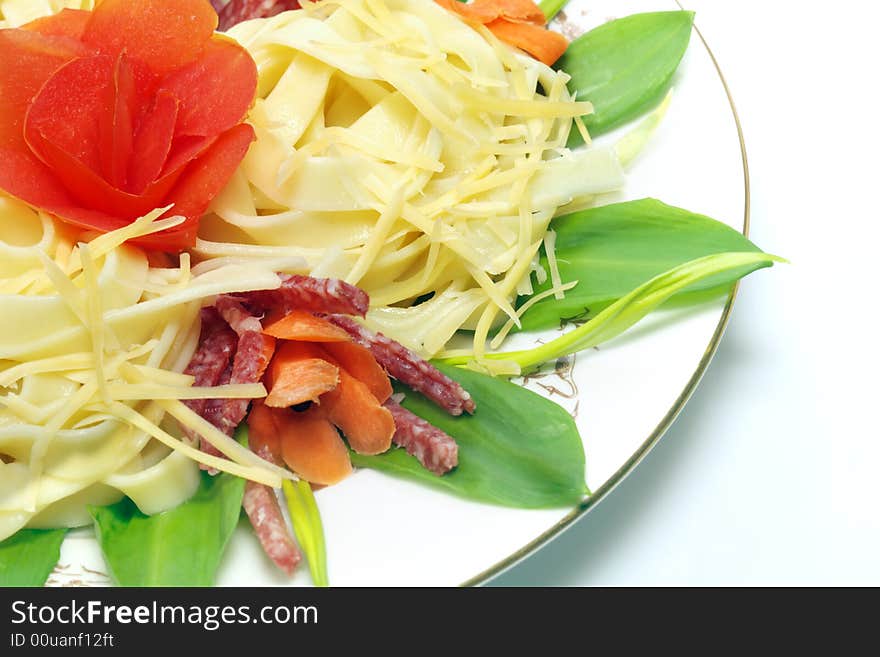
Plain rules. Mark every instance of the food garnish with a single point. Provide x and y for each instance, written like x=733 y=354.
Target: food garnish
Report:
x=108 y=114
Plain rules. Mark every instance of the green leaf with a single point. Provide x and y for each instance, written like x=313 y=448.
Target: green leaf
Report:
x=519 y=449
x=625 y=66
x=551 y=7
x=28 y=556
x=179 y=547
x=611 y=250
x=630 y=309
x=308 y=527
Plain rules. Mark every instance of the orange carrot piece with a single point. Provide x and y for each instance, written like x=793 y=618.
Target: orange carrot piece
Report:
x=351 y=406
x=540 y=43
x=518 y=11
x=298 y=374
x=360 y=363
x=298 y=381
x=486 y=11
x=473 y=12
x=262 y=431
x=311 y=446
x=292 y=350
x=304 y=326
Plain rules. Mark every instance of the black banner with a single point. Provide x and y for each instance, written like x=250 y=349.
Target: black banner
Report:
x=115 y=618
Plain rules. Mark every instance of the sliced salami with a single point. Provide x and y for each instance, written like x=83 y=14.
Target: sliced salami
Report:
x=211 y=365
x=318 y=295
x=264 y=512
x=217 y=343
x=435 y=449
x=232 y=349
x=409 y=368
x=233 y=12
x=250 y=361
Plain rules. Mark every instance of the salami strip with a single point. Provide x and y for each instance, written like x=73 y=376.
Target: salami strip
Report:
x=251 y=358
x=235 y=315
x=211 y=365
x=217 y=344
x=317 y=295
x=264 y=512
x=435 y=449
x=235 y=11
x=409 y=368
x=232 y=349
x=213 y=412
x=252 y=351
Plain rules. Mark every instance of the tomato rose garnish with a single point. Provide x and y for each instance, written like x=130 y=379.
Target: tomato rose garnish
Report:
x=106 y=115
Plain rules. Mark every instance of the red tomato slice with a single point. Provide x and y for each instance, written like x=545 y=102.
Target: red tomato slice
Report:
x=201 y=181
x=163 y=35
x=152 y=142
x=67 y=22
x=207 y=108
x=116 y=128
x=70 y=108
x=29 y=59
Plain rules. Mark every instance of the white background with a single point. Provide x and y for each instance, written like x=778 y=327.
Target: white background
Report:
x=771 y=474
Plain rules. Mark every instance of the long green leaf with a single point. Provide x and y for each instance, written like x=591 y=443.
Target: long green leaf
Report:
x=611 y=250
x=551 y=7
x=519 y=449
x=627 y=311
x=308 y=527
x=179 y=547
x=625 y=66
x=28 y=556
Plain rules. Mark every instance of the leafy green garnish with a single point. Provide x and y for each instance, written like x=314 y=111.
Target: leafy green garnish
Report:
x=179 y=547
x=551 y=7
x=612 y=249
x=625 y=66
x=519 y=449
x=28 y=556
x=308 y=527
x=628 y=310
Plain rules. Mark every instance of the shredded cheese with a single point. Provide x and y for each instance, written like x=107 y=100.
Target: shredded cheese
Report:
x=401 y=149
x=94 y=366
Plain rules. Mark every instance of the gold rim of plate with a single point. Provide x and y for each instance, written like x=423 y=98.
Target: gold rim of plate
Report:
x=590 y=502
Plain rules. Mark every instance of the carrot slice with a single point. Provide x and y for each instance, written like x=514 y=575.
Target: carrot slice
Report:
x=473 y=12
x=520 y=23
x=303 y=325
x=292 y=350
x=360 y=363
x=351 y=406
x=311 y=446
x=262 y=431
x=520 y=11
x=540 y=43
x=299 y=372
x=298 y=381
x=486 y=11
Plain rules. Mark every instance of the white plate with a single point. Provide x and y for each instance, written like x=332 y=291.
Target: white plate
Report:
x=386 y=531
